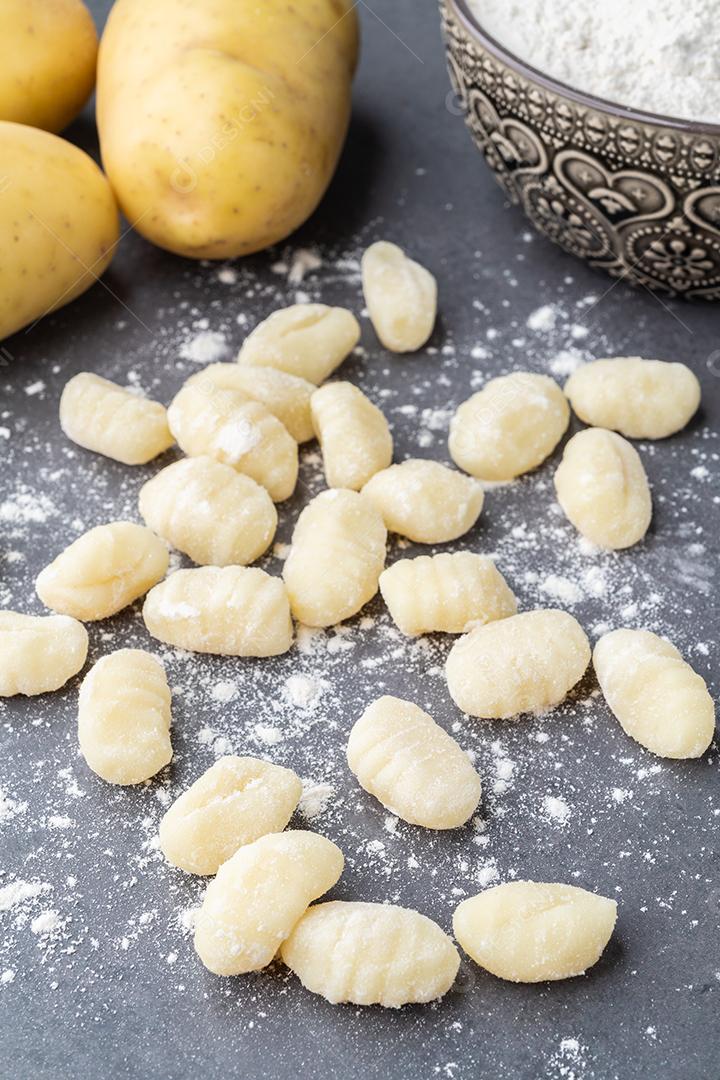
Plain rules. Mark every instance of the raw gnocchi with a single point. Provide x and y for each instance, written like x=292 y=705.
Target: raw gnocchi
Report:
x=238 y=800
x=124 y=717
x=353 y=434
x=527 y=662
x=258 y=896
x=425 y=501
x=509 y=427
x=307 y=340
x=229 y=611
x=603 y=490
x=209 y=511
x=401 y=297
x=103 y=571
x=336 y=558
x=286 y=396
x=232 y=428
x=446 y=593
x=657 y=697
x=100 y=416
x=371 y=954
x=529 y=931
x=39 y=653
x=414 y=768
x=642 y=399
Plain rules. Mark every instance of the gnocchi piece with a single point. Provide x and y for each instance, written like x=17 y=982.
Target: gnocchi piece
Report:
x=307 y=340
x=229 y=611
x=425 y=501
x=287 y=397
x=657 y=697
x=238 y=800
x=353 y=434
x=510 y=427
x=124 y=717
x=371 y=954
x=527 y=662
x=529 y=931
x=603 y=490
x=232 y=428
x=447 y=593
x=210 y=512
x=100 y=416
x=258 y=896
x=336 y=558
x=39 y=653
x=103 y=571
x=414 y=768
x=642 y=399
x=401 y=297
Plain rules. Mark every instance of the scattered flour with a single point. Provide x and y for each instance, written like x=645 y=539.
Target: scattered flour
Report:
x=556 y=810
x=48 y=922
x=315 y=799
x=206 y=347
x=543 y=318
x=20 y=892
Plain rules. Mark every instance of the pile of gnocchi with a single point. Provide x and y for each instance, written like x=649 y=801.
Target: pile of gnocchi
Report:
x=239 y=426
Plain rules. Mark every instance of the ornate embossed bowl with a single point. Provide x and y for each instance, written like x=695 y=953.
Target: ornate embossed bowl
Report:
x=635 y=194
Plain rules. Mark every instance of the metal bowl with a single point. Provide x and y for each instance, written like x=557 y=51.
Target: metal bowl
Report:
x=635 y=194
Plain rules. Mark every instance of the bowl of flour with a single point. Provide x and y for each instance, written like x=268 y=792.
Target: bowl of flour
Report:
x=602 y=120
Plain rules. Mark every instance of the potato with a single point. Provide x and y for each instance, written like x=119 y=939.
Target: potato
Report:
x=59 y=222
x=48 y=52
x=221 y=121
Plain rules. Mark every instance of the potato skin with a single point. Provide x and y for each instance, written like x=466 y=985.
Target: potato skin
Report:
x=59 y=222
x=48 y=53
x=221 y=121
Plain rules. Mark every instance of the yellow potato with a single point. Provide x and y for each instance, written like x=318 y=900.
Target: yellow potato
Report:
x=48 y=53
x=221 y=121
x=58 y=221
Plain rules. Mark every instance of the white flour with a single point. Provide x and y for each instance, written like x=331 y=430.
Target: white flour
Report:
x=658 y=55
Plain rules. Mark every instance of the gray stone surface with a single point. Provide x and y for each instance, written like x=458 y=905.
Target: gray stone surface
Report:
x=109 y=986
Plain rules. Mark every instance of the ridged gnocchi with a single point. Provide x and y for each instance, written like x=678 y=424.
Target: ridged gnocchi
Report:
x=509 y=427
x=39 y=653
x=371 y=954
x=124 y=717
x=527 y=662
x=446 y=593
x=401 y=297
x=108 y=419
x=229 y=611
x=425 y=501
x=642 y=399
x=336 y=558
x=238 y=800
x=353 y=434
x=210 y=512
x=530 y=932
x=286 y=396
x=103 y=571
x=307 y=340
x=603 y=490
x=232 y=428
x=258 y=896
x=657 y=697
x=412 y=766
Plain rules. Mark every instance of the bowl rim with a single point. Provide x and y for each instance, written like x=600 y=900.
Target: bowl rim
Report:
x=473 y=26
